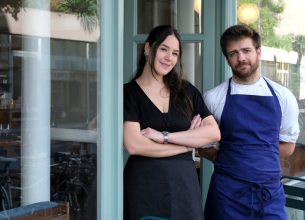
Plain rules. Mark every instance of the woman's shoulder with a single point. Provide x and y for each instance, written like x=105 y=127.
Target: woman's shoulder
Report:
x=132 y=92
x=130 y=87
x=190 y=88
x=129 y=84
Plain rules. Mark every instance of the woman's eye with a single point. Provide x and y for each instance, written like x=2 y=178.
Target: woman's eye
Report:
x=163 y=49
x=175 y=54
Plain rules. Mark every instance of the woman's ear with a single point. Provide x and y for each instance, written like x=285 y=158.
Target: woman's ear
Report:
x=147 y=49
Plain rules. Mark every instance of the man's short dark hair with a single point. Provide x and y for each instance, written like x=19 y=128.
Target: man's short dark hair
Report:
x=239 y=32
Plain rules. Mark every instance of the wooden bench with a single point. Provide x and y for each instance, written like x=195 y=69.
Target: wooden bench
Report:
x=38 y=211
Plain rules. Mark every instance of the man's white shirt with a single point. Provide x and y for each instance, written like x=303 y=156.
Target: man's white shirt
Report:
x=215 y=100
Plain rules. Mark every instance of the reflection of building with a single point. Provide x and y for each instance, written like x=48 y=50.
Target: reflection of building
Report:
x=73 y=64
x=283 y=67
x=49 y=68
x=61 y=26
x=293 y=23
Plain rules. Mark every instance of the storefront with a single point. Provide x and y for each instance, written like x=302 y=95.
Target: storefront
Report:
x=62 y=69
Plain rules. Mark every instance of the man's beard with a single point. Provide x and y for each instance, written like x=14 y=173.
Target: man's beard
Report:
x=244 y=75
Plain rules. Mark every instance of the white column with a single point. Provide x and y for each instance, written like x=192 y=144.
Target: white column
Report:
x=174 y=14
x=185 y=23
x=35 y=98
x=155 y=17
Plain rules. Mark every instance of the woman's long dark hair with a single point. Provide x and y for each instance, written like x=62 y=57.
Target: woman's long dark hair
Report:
x=173 y=80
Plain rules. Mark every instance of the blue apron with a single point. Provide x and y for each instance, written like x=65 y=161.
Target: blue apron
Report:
x=245 y=183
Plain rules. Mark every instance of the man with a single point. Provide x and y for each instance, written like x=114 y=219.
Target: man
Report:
x=258 y=121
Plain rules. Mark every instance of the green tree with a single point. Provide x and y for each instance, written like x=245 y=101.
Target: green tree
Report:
x=298 y=43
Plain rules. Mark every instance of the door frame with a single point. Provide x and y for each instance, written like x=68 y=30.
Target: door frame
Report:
x=206 y=38
x=110 y=125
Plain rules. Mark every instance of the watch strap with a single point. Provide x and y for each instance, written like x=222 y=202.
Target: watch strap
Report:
x=165 y=136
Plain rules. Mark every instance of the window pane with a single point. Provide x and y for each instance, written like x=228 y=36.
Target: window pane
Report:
x=48 y=105
x=72 y=73
x=183 y=15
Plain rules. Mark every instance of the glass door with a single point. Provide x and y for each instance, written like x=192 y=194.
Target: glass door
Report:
x=198 y=42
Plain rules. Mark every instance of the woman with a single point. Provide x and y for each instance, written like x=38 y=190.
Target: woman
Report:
x=162 y=125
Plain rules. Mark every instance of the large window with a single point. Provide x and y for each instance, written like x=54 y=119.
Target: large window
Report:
x=283 y=57
x=48 y=105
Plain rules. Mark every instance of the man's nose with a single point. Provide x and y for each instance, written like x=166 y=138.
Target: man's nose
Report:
x=241 y=57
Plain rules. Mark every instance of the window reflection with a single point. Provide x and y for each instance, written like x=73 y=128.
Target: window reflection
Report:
x=73 y=87
x=48 y=106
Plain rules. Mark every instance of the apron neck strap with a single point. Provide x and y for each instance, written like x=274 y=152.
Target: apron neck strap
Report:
x=270 y=88
x=229 y=87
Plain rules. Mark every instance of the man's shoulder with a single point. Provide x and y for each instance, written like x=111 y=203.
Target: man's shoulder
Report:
x=280 y=91
x=214 y=97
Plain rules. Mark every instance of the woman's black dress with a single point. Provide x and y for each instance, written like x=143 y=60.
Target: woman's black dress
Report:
x=161 y=187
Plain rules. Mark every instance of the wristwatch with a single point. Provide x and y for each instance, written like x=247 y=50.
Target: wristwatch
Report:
x=165 y=135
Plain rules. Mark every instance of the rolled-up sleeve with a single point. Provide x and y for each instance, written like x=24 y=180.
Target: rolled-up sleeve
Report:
x=290 y=130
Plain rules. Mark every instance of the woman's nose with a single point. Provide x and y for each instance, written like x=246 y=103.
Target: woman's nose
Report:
x=168 y=56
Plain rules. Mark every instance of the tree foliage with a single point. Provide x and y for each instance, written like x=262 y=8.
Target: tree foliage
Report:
x=270 y=12
x=86 y=10
x=11 y=7
x=298 y=44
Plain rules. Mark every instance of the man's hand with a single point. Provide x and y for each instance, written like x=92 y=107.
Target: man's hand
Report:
x=209 y=153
